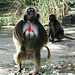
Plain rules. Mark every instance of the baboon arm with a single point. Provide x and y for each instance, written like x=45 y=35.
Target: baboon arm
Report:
x=17 y=43
x=42 y=34
x=18 y=33
x=37 y=52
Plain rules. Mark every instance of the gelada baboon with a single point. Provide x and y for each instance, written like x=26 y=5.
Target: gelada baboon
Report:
x=56 y=30
x=29 y=37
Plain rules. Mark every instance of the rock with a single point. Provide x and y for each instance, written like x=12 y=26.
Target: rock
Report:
x=71 y=4
x=68 y=19
x=16 y=66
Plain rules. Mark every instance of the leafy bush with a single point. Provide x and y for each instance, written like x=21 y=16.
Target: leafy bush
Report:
x=5 y=20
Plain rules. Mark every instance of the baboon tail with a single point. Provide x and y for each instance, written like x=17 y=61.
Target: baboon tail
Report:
x=48 y=54
x=69 y=37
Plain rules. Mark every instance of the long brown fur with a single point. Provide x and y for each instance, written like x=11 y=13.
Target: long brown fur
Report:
x=32 y=46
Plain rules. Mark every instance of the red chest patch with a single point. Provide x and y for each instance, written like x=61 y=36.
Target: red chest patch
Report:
x=30 y=29
x=52 y=25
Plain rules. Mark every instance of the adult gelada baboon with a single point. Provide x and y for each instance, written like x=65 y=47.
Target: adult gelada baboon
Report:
x=56 y=30
x=29 y=37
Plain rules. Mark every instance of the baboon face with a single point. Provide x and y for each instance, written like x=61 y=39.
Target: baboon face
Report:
x=52 y=18
x=31 y=15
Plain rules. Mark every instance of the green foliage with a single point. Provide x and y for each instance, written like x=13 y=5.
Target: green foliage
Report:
x=29 y=2
x=56 y=1
x=45 y=10
x=43 y=4
x=26 y=2
x=5 y=20
x=6 y=1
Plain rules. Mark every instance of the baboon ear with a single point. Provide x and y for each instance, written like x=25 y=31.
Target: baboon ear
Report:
x=38 y=16
x=25 y=17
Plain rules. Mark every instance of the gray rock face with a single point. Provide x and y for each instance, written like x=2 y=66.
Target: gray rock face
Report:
x=68 y=19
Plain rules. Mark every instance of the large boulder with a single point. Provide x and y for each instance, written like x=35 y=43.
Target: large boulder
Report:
x=71 y=4
x=68 y=19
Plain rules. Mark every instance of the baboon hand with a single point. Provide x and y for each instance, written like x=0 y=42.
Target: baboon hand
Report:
x=22 y=48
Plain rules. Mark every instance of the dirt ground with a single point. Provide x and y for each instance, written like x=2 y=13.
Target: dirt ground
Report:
x=63 y=51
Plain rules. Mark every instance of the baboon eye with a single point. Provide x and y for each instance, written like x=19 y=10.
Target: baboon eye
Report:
x=28 y=9
x=32 y=9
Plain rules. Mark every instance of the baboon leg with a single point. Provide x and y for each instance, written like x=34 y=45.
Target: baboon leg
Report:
x=52 y=37
x=52 y=40
x=37 y=63
x=18 y=61
x=19 y=67
x=19 y=45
